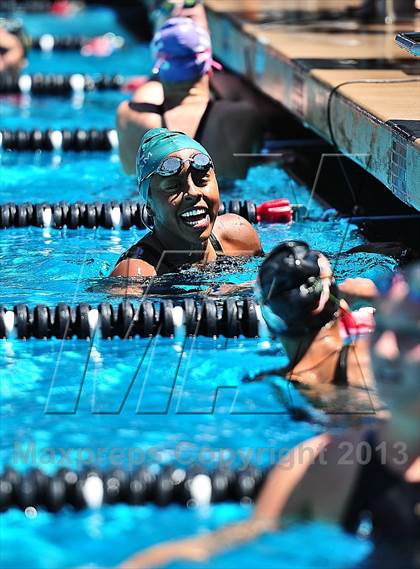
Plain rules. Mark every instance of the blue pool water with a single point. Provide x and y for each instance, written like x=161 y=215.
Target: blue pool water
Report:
x=41 y=380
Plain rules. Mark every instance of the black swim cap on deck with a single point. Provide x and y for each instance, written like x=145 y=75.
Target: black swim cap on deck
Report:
x=289 y=287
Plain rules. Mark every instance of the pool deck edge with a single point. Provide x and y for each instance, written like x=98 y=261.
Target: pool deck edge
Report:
x=380 y=146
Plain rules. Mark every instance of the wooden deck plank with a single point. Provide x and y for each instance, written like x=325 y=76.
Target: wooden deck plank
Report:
x=385 y=101
x=376 y=124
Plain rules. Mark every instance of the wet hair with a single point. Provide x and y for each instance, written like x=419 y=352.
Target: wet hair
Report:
x=289 y=287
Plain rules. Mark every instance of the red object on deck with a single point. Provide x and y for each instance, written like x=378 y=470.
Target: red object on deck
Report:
x=100 y=46
x=61 y=7
x=275 y=211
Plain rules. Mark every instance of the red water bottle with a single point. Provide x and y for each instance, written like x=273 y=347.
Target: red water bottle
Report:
x=275 y=211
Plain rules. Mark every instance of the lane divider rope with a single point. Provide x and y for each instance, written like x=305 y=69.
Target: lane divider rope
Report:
x=129 y=213
x=59 y=84
x=161 y=486
x=59 y=140
x=126 y=214
x=50 y=42
x=210 y=318
x=31 y=6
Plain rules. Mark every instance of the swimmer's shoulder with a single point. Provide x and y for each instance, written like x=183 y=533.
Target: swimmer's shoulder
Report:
x=130 y=267
x=133 y=263
x=237 y=235
x=150 y=93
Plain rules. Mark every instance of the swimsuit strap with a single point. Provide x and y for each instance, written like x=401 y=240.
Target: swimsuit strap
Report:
x=203 y=121
x=201 y=125
x=146 y=108
x=216 y=243
x=340 y=374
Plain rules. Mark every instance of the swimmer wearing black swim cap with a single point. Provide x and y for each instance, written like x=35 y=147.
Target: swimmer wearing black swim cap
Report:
x=296 y=298
x=302 y=305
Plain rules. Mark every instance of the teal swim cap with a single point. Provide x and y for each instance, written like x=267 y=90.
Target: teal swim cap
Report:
x=155 y=146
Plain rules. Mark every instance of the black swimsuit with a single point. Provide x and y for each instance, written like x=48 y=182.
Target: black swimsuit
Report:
x=160 y=110
x=392 y=503
x=340 y=374
x=152 y=255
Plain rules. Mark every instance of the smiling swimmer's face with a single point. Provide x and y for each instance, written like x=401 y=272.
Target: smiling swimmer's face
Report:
x=185 y=204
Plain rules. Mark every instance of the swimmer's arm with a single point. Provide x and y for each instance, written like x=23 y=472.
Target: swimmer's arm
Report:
x=133 y=268
x=237 y=235
x=250 y=378
x=230 y=289
x=358 y=288
x=274 y=497
x=129 y=135
x=199 y=548
x=131 y=125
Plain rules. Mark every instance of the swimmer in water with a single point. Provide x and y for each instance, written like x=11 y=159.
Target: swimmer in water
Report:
x=326 y=343
x=180 y=98
x=12 y=54
x=162 y=10
x=177 y=183
x=369 y=475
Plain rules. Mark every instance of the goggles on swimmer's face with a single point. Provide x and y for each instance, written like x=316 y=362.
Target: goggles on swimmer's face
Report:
x=173 y=165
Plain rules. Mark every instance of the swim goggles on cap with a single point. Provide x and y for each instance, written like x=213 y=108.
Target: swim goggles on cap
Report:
x=168 y=5
x=173 y=165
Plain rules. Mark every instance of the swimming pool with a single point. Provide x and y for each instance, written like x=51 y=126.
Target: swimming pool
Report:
x=41 y=379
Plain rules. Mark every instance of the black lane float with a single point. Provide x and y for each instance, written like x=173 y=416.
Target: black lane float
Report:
x=60 y=139
x=93 y=489
x=59 y=84
x=230 y=318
